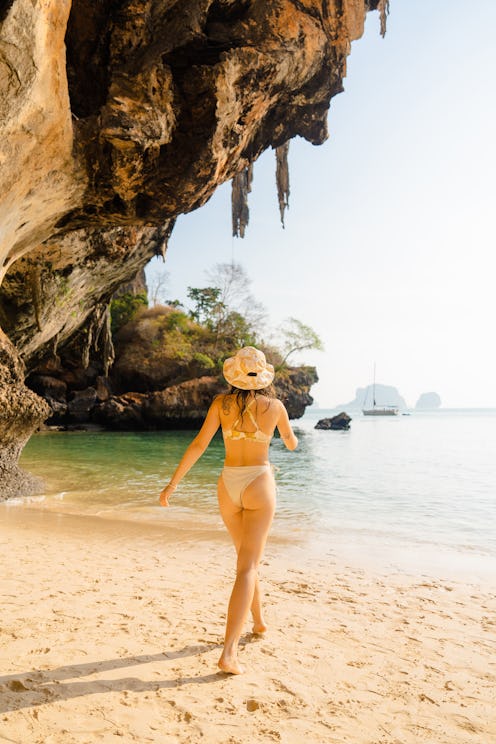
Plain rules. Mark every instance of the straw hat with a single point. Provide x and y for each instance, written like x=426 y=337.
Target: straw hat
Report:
x=248 y=370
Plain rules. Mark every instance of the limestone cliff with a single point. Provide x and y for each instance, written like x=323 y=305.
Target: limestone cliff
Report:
x=115 y=117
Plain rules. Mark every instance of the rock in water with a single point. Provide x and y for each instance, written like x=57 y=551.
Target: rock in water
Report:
x=340 y=421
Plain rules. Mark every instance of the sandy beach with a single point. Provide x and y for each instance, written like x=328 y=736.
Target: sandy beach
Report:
x=111 y=631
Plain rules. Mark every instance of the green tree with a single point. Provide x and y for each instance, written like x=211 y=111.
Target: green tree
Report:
x=207 y=306
x=297 y=337
x=235 y=294
x=235 y=331
x=125 y=307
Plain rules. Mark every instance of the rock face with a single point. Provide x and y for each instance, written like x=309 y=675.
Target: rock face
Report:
x=117 y=117
x=428 y=400
x=293 y=388
x=20 y=412
x=180 y=406
x=185 y=405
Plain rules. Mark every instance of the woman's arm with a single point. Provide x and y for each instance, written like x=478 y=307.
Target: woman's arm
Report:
x=194 y=451
x=285 y=430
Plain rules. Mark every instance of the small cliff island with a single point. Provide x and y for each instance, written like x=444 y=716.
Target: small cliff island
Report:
x=115 y=119
x=428 y=401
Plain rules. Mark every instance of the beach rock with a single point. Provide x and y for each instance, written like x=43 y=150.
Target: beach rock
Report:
x=49 y=387
x=428 y=401
x=117 y=117
x=58 y=412
x=103 y=388
x=82 y=404
x=340 y=421
x=122 y=413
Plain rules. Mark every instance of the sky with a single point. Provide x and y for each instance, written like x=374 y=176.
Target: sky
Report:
x=388 y=250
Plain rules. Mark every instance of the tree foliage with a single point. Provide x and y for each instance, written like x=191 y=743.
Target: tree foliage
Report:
x=297 y=337
x=235 y=294
x=207 y=306
x=223 y=317
x=157 y=288
x=125 y=307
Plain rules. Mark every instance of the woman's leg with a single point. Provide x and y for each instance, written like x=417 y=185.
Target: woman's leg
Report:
x=232 y=517
x=255 y=519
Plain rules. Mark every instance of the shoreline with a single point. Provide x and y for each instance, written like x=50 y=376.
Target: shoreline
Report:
x=115 y=630
x=351 y=549
x=371 y=502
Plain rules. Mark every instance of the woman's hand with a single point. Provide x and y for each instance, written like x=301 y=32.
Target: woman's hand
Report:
x=166 y=494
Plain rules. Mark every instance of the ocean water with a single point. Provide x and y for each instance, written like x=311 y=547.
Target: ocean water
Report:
x=407 y=493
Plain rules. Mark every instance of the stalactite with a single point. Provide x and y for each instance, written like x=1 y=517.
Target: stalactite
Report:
x=55 y=346
x=383 y=8
x=108 y=351
x=162 y=247
x=282 y=178
x=35 y=281
x=241 y=187
x=99 y=336
x=85 y=354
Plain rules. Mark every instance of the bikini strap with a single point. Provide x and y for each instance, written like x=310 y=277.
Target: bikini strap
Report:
x=247 y=410
x=252 y=417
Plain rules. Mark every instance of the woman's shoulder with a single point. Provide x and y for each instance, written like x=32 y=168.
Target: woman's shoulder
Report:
x=223 y=401
x=273 y=403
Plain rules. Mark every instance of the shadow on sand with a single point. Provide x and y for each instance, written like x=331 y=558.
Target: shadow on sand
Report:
x=39 y=687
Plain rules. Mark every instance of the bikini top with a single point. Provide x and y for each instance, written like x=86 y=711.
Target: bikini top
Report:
x=257 y=435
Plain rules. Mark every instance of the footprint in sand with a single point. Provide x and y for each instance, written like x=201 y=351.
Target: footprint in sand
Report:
x=17 y=686
x=253 y=705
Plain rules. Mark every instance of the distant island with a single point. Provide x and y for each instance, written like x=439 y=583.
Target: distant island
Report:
x=428 y=401
x=388 y=395
x=385 y=395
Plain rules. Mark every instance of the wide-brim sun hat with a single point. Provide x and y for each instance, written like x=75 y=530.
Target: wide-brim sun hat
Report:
x=248 y=369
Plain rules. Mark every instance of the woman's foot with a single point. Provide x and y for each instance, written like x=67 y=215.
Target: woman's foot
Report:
x=230 y=665
x=259 y=628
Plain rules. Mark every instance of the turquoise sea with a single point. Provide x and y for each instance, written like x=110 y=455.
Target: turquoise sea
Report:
x=413 y=493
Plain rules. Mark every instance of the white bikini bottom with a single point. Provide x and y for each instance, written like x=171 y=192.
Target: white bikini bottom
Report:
x=237 y=479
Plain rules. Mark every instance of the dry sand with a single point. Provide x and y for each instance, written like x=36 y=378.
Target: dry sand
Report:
x=111 y=632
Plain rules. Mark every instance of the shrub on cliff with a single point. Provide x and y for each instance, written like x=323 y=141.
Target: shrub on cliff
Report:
x=160 y=347
x=125 y=307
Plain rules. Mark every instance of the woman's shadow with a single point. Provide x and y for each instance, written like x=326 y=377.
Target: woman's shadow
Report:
x=39 y=687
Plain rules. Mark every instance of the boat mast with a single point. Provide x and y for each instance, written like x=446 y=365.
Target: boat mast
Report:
x=373 y=390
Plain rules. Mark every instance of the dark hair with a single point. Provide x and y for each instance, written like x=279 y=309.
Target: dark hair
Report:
x=243 y=395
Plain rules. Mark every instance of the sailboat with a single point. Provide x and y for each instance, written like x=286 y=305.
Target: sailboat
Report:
x=379 y=410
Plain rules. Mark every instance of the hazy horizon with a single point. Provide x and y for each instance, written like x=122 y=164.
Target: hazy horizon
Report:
x=388 y=249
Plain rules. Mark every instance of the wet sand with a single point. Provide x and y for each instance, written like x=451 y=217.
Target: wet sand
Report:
x=112 y=631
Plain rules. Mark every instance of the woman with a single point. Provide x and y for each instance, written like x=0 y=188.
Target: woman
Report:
x=248 y=415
